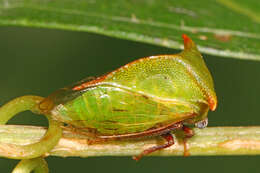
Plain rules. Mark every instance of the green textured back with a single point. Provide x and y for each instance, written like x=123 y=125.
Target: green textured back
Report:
x=163 y=77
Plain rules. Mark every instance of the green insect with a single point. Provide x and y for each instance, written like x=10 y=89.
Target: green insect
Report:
x=151 y=96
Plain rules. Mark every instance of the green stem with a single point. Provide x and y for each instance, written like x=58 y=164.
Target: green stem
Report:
x=33 y=150
x=38 y=165
x=37 y=149
x=208 y=141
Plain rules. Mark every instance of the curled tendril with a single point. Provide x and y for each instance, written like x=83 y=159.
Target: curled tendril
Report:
x=31 y=152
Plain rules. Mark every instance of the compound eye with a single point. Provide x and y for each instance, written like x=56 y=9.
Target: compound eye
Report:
x=202 y=124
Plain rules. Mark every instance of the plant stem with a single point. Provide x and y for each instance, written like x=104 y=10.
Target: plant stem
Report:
x=208 y=141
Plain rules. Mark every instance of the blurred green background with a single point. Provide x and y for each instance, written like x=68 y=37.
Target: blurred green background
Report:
x=39 y=61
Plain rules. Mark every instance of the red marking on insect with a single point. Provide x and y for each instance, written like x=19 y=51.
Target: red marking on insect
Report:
x=188 y=43
x=100 y=79
x=89 y=83
x=212 y=103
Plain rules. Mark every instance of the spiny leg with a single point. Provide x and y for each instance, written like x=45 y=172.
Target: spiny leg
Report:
x=170 y=141
x=38 y=165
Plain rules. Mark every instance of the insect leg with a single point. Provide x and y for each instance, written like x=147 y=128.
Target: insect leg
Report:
x=188 y=132
x=170 y=141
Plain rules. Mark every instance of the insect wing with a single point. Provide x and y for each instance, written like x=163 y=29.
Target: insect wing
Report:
x=112 y=110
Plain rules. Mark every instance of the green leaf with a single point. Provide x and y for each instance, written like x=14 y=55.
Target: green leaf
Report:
x=227 y=28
